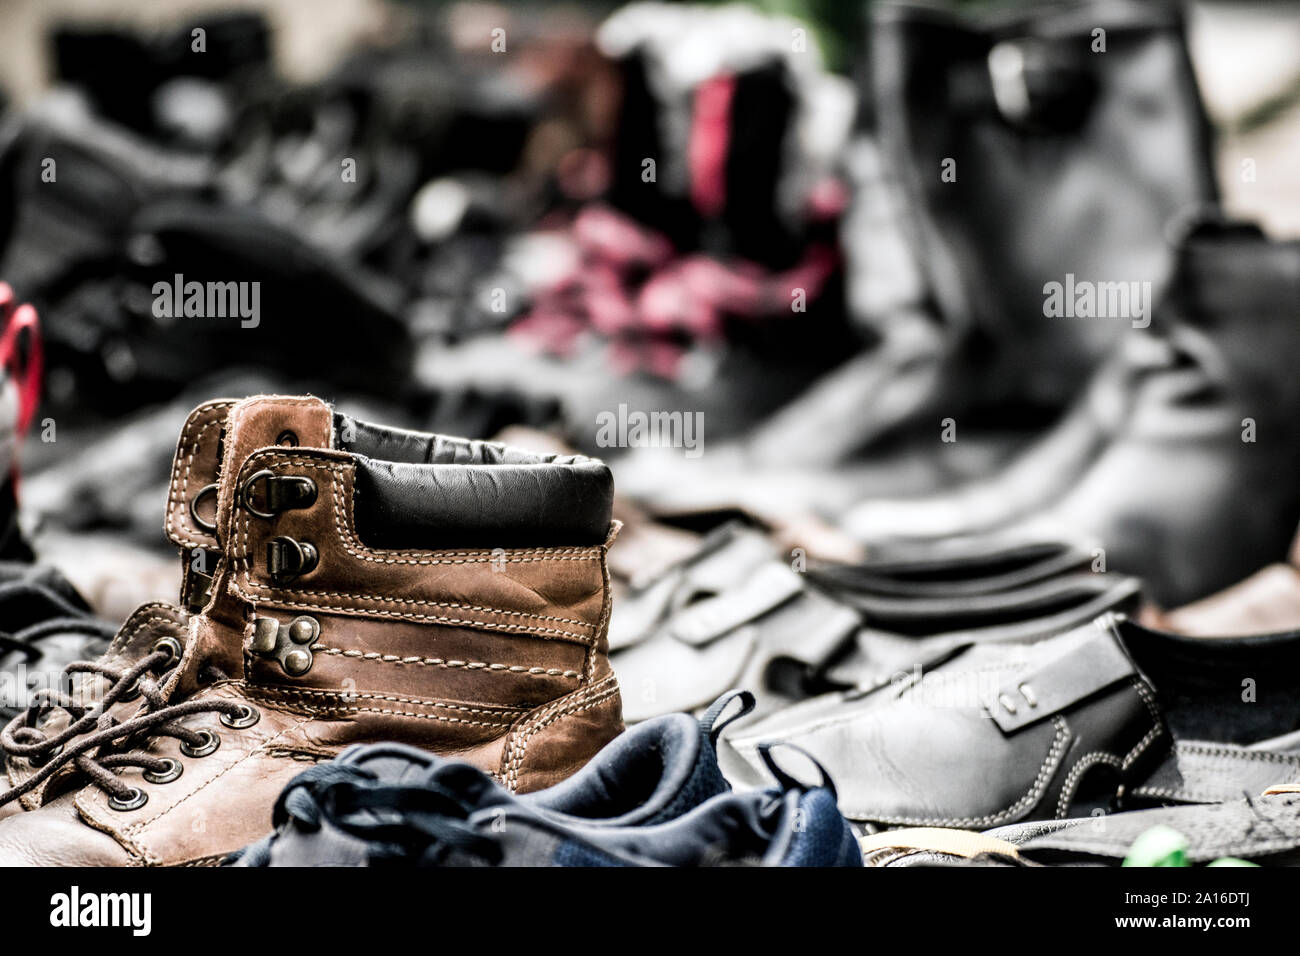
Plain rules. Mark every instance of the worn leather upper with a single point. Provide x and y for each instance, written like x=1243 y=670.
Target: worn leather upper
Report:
x=495 y=653
x=997 y=734
x=960 y=744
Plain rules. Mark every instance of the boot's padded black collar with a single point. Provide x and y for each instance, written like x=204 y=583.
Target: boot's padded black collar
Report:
x=417 y=490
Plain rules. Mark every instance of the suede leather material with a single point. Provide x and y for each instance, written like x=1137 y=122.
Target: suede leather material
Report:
x=496 y=656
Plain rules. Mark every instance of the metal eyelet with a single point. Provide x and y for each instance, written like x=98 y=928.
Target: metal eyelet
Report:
x=287 y=438
x=247 y=718
x=40 y=760
x=171 y=646
x=194 y=507
x=210 y=743
x=135 y=801
x=174 y=768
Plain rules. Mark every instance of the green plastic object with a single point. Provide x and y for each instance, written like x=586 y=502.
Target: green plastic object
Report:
x=1159 y=846
x=1165 y=846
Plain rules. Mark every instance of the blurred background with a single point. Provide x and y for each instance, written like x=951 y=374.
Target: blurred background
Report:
x=1244 y=53
x=449 y=214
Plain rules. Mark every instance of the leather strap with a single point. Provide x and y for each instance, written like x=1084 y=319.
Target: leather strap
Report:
x=725 y=558
x=767 y=589
x=796 y=623
x=1207 y=772
x=1088 y=668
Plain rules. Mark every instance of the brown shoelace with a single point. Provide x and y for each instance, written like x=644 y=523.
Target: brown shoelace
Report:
x=93 y=728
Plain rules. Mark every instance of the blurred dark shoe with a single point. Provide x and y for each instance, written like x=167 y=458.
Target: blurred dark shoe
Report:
x=736 y=615
x=1170 y=465
x=1004 y=127
x=44 y=626
x=1267 y=601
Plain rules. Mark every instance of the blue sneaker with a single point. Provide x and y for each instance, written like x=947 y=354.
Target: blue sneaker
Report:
x=653 y=797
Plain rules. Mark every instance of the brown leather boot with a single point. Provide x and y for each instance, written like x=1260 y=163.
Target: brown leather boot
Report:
x=370 y=584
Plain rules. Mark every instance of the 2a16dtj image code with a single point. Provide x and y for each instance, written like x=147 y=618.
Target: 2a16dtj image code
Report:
x=1181 y=898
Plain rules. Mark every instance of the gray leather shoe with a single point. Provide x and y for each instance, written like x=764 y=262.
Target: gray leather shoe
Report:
x=1108 y=715
x=1169 y=465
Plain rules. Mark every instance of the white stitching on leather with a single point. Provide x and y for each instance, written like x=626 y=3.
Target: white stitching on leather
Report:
x=343 y=528
x=347 y=533
x=1291 y=761
x=139 y=825
x=279 y=602
x=440 y=662
x=509 y=714
x=516 y=748
x=1082 y=766
x=1101 y=756
x=993 y=819
x=419 y=603
x=176 y=499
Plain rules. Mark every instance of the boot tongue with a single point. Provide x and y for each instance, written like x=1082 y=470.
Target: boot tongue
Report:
x=238 y=429
x=262 y=421
x=215 y=440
